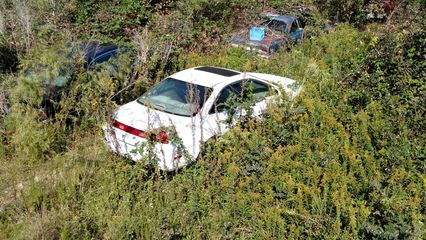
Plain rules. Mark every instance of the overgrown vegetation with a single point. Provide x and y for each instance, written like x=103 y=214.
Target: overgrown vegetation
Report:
x=345 y=160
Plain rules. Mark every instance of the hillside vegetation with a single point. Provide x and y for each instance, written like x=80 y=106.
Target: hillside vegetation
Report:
x=344 y=160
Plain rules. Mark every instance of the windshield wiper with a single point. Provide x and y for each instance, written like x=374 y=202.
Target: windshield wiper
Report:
x=159 y=106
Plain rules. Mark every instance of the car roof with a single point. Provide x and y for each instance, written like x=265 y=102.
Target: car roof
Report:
x=212 y=76
x=100 y=52
x=95 y=51
x=283 y=18
x=207 y=76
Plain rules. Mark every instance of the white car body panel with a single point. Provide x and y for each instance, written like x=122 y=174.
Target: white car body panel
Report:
x=284 y=82
x=193 y=131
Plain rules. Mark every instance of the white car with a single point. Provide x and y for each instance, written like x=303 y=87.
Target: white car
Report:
x=172 y=120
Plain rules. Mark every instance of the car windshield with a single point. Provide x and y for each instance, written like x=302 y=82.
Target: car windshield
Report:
x=176 y=97
x=274 y=25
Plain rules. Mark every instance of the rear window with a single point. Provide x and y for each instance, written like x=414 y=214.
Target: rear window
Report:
x=176 y=97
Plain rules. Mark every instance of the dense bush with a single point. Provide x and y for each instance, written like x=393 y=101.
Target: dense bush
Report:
x=111 y=18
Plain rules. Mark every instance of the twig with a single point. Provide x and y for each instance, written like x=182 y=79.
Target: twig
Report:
x=128 y=86
x=393 y=12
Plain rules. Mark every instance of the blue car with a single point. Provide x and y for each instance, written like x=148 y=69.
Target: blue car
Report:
x=271 y=34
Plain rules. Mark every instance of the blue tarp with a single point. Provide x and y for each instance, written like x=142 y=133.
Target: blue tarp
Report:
x=256 y=33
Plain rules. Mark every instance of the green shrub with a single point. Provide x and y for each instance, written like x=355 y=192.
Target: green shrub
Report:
x=112 y=18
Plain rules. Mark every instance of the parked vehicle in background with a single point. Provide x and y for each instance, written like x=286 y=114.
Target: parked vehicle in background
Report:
x=54 y=80
x=171 y=121
x=379 y=11
x=272 y=33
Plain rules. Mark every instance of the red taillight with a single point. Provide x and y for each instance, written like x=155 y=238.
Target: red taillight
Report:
x=162 y=136
x=121 y=126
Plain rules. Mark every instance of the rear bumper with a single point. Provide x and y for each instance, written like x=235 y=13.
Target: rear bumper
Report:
x=137 y=148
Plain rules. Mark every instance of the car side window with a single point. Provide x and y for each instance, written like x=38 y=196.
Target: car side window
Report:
x=221 y=102
x=298 y=25
x=258 y=90
x=246 y=90
x=293 y=27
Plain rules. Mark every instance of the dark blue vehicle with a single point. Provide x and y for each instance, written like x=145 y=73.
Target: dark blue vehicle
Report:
x=272 y=33
x=55 y=82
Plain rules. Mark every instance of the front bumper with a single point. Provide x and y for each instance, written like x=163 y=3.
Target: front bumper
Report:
x=252 y=49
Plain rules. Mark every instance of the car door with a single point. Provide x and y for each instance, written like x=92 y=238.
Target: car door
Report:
x=258 y=93
x=296 y=32
x=217 y=120
x=228 y=106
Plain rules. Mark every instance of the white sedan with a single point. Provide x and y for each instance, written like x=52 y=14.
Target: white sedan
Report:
x=170 y=122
